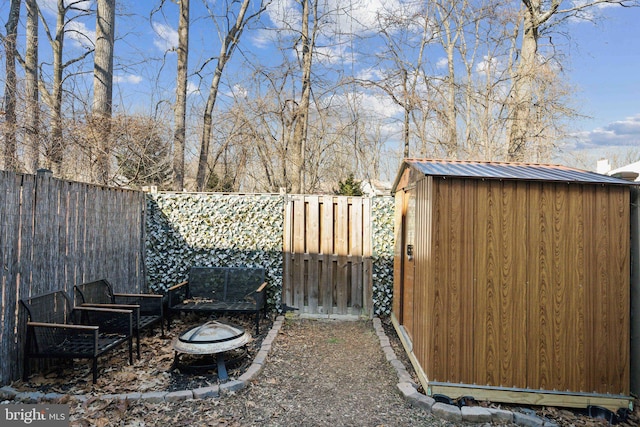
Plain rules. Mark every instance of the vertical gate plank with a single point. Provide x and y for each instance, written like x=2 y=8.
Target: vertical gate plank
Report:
x=298 y=251
x=355 y=241
x=342 y=248
x=287 y=250
x=326 y=230
x=313 y=249
x=327 y=255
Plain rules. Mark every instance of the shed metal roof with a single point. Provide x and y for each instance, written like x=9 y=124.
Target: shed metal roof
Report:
x=504 y=170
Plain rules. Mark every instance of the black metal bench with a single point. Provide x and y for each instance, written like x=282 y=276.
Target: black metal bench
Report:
x=148 y=308
x=220 y=290
x=57 y=330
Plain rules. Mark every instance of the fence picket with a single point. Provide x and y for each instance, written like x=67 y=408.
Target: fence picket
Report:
x=51 y=238
x=331 y=271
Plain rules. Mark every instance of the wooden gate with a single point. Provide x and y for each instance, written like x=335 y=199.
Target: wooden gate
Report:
x=327 y=255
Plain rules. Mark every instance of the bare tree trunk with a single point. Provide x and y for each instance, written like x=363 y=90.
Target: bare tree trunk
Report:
x=407 y=114
x=55 y=152
x=103 y=86
x=302 y=116
x=180 y=109
x=536 y=14
x=226 y=50
x=522 y=95
x=32 y=137
x=451 y=141
x=10 y=150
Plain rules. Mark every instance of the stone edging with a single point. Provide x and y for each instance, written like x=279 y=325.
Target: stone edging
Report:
x=469 y=414
x=9 y=393
x=407 y=387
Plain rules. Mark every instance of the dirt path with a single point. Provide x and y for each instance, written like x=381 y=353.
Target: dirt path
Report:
x=318 y=373
x=324 y=373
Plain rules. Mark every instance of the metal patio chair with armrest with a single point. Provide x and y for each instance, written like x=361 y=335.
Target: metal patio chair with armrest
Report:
x=148 y=307
x=57 y=330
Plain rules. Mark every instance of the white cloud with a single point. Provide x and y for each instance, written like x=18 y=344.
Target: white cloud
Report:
x=442 y=63
x=370 y=74
x=240 y=91
x=166 y=37
x=356 y=16
x=621 y=133
x=589 y=12
x=192 y=88
x=263 y=38
x=80 y=34
x=488 y=65
x=127 y=78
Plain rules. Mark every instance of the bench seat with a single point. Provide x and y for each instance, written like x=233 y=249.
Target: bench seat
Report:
x=220 y=290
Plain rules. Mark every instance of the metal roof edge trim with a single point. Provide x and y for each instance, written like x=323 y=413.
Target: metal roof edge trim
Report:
x=506 y=171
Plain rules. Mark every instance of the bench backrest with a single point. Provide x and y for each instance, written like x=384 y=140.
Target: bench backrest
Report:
x=97 y=292
x=225 y=284
x=52 y=307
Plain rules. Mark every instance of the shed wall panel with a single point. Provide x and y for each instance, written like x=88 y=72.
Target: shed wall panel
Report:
x=423 y=327
x=522 y=284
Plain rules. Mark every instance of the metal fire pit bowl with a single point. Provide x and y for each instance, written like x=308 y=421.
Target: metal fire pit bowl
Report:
x=210 y=338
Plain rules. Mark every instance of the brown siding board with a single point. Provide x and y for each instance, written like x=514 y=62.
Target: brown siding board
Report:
x=511 y=289
x=438 y=344
x=541 y=323
x=590 y=259
x=576 y=276
x=484 y=268
x=601 y=296
x=421 y=294
x=468 y=282
x=562 y=298
x=521 y=294
x=619 y=212
x=456 y=294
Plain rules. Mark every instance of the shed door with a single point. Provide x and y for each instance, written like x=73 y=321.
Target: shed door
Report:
x=408 y=263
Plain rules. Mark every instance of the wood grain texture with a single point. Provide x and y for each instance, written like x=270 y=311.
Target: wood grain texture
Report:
x=329 y=256
x=522 y=285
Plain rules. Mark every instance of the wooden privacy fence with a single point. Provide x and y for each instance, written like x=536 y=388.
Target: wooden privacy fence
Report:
x=327 y=255
x=56 y=234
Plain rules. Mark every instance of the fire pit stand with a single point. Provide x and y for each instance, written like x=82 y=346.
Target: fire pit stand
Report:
x=211 y=338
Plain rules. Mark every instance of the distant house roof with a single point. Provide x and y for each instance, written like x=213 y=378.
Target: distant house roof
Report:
x=627 y=170
x=374 y=187
x=505 y=171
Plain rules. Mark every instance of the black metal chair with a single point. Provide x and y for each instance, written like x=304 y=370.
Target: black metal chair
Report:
x=57 y=330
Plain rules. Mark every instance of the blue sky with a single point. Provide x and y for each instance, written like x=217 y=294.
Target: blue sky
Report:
x=605 y=67
x=603 y=64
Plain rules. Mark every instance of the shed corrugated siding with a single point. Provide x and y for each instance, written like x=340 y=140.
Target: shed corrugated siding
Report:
x=523 y=284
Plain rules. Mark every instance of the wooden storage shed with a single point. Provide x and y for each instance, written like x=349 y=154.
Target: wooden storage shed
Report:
x=512 y=281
